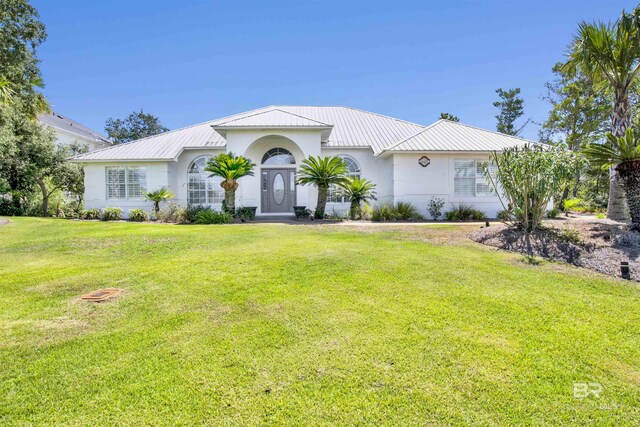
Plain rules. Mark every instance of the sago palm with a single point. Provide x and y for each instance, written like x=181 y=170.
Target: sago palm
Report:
x=323 y=172
x=358 y=190
x=610 y=56
x=158 y=196
x=230 y=168
x=623 y=154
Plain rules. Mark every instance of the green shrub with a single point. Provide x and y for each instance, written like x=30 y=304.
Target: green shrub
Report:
x=464 y=212
x=574 y=205
x=301 y=212
x=405 y=211
x=111 y=214
x=138 y=215
x=210 y=216
x=570 y=235
x=91 y=214
x=365 y=212
x=504 y=215
x=173 y=213
x=601 y=215
x=435 y=207
x=383 y=212
x=553 y=213
x=245 y=212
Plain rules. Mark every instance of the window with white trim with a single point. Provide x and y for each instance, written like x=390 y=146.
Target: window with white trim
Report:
x=125 y=183
x=335 y=194
x=469 y=180
x=203 y=189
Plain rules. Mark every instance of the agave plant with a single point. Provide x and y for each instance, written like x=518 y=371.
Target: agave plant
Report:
x=323 y=172
x=230 y=168
x=158 y=196
x=623 y=154
x=358 y=190
x=610 y=56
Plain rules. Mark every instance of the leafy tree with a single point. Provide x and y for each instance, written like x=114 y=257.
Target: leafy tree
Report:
x=137 y=125
x=158 y=196
x=623 y=154
x=511 y=107
x=230 y=168
x=578 y=116
x=527 y=178
x=322 y=172
x=610 y=56
x=450 y=117
x=358 y=190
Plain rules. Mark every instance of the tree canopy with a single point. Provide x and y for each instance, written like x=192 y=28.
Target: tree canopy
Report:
x=450 y=117
x=511 y=107
x=136 y=125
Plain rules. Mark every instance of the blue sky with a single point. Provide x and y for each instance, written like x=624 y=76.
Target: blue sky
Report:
x=192 y=61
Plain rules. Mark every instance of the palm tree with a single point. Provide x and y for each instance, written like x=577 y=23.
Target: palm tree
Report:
x=158 y=196
x=622 y=154
x=323 y=172
x=358 y=190
x=230 y=168
x=610 y=56
x=6 y=93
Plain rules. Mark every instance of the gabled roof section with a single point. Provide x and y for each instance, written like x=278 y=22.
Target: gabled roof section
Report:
x=273 y=118
x=445 y=135
x=65 y=124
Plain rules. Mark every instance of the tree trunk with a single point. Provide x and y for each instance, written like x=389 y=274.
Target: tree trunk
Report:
x=322 y=202
x=230 y=199
x=575 y=185
x=629 y=173
x=620 y=121
x=353 y=211
x=565 y=196
x=45 y=196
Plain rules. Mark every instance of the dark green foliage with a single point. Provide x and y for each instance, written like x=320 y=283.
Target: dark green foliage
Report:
x=464 y=212
x=138 y=215
x=322 y=172
x=383 y=212
x=504 y=215
x=301 y=212
x=137 y=125
x=553 y=213
x=403 y=211
x=511 y=107
x=211 y=216
x=245 y=212
x=450 y=117
x=91 y=214
x=435 y=206
x=111 y=214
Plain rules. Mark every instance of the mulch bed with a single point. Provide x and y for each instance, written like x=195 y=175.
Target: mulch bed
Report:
x=597 y=245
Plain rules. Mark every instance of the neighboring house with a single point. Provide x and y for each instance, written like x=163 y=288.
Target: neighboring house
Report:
x=69 y=131
x=408 y=162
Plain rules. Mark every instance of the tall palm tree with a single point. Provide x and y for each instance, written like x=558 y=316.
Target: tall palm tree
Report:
x=623 y=154
x=323 y=172
x=158 y=196
x=358 y=190
x=230 y=168
x=610 y=56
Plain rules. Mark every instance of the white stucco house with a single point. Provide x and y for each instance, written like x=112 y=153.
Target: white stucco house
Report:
x=69 y=131
x=407 y=161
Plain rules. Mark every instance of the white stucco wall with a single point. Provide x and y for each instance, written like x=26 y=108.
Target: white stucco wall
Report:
x=95 y=192
x=417 y=185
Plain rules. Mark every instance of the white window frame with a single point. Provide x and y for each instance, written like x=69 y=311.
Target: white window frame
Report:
x=141 y=182
x=477 y=176
x=213 y=192
x=333 y=195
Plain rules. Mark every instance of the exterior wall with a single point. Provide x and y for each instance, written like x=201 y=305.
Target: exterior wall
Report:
x=95 y=192
x=417 y=185
x=177 y=179
x=64 y=138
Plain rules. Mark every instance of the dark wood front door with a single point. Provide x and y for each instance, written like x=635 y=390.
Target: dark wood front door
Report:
x=278 y=190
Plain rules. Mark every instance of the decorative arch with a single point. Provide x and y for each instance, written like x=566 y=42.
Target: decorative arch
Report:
x=202 y=189
x=278 y=156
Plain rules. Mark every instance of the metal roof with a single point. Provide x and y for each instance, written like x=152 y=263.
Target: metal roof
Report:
x=275 y=118
x=351 y=128
x=65 y=124
x=445 y=135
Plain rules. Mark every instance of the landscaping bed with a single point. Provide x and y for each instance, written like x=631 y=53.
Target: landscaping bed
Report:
x=594 y=244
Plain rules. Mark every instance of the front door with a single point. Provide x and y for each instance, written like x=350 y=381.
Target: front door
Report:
x=278 y=190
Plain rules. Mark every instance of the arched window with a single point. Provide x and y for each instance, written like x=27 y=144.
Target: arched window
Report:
x=278 y=156
x=203 y=190
x=335 y=194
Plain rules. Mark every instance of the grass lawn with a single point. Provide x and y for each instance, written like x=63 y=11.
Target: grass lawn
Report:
x=304 y=325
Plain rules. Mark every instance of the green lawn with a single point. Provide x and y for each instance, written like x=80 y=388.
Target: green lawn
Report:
x=304 y=325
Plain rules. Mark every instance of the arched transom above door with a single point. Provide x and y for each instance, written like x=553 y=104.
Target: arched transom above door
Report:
x=278 y=156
